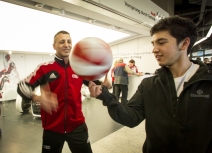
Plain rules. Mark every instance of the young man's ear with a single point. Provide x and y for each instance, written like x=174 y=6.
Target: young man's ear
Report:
x=184 y=44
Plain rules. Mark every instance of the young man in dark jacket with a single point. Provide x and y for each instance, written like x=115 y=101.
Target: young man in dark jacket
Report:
x=177 y=102
x=61 y=104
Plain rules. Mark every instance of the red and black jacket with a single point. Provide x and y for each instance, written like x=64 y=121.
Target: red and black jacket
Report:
x=67 y=86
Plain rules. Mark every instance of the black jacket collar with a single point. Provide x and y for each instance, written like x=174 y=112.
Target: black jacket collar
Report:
x=204 y=72
x=60 y=61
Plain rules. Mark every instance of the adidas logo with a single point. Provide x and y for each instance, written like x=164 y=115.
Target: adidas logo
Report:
x=74 y=76
x=46 y=147
x=52 y=76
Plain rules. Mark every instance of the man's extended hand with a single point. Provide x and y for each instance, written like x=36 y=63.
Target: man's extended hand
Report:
x=47 y=99
x=95 y=90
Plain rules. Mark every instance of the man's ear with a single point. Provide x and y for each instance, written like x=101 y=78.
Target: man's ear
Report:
x=184 y=44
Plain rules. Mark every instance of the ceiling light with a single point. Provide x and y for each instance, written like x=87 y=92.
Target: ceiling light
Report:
x=144 y=23
x=121 y=29
x=209 y=32
x=91 y=20
x=208 y=35
x=200 y=41
x=58 y=11
x=112 y=27
x=39 y=5
x=62 y=12
x=10 y=52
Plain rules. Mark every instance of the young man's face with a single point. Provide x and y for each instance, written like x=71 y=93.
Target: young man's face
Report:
x=165 y=49
x=131 y=64
x=63 y=45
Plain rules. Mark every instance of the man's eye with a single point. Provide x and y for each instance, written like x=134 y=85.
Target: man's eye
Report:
x=162 y=42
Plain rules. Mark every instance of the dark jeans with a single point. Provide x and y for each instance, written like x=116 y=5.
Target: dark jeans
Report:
x=119 y=88
x=77 y=140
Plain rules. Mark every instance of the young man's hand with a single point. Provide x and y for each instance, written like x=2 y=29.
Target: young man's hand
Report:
x=95 y=90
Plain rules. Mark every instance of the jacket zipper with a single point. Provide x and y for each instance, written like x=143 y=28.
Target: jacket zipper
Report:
x=66 y=103
x=173 y=117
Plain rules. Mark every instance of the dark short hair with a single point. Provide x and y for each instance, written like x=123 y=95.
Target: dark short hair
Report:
x=60 y=32
x=179 y=28
x=132 y=61
x=7 y=55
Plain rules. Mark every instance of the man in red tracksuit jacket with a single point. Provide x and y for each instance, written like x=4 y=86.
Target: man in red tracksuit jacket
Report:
x=61 y=105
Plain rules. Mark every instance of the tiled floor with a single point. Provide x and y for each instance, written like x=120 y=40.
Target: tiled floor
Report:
x=22 y=133
x=125 y=140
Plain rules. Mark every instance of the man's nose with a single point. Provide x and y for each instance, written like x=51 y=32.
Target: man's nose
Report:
x=66 y=44
x=155 y=49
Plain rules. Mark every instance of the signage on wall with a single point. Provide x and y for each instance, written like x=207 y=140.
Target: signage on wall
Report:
x=152 y=15
x=131 y=55
x=142 y=10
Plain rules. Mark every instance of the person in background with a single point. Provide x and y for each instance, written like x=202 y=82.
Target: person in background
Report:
x=121 y=71
x=176 y=103
x=60 y=99
x=206 y=60
x=198 y=58
x=132 y=66
x=112 y=76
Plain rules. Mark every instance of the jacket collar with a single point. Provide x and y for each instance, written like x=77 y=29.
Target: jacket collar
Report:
x=204 y=72
x=60 y=61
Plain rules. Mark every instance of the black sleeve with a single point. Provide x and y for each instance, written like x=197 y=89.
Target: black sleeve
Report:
x=97 y=82
x=129 y=115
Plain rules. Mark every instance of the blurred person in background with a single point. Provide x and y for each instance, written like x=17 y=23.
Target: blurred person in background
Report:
x=121 y=71
x=132 y=66
x=112 y=76
x=198 y=58
x=206 y=60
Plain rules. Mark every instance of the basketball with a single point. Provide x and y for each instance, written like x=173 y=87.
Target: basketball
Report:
x=91 y=58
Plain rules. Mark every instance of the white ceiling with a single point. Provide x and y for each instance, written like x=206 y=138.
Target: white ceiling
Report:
x=29 y=30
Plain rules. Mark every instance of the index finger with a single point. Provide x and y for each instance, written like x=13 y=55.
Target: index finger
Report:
x=91 y=83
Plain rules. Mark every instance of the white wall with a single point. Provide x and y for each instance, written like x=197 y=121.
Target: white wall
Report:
x=140 y=50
